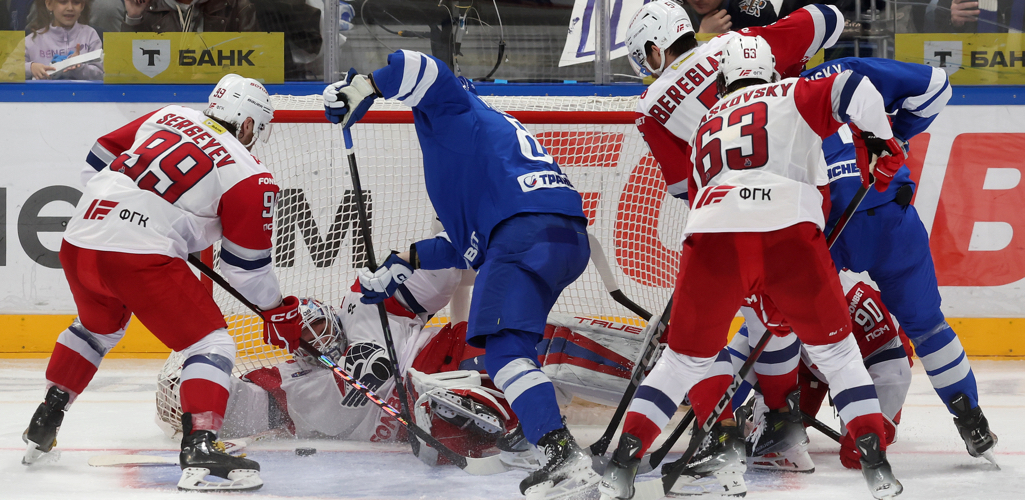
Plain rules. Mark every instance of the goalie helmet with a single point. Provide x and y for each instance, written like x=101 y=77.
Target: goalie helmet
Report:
x=236 y=98
x=746 y=57
x=320 y=321
x=661 y=22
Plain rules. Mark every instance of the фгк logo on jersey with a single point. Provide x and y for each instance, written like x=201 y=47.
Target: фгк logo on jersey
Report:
x=538 y=180
x=99 y=209
x=713 y=195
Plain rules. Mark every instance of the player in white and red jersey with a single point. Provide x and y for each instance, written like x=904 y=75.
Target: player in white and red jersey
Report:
x=168 y=184
x=661 y=42
x=755 y=231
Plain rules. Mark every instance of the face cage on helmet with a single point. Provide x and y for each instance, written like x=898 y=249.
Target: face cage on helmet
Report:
x=331 y=342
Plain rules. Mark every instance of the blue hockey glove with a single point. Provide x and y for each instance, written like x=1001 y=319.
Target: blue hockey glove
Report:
x=346 y=101
x=379 y=285
x=345 y=14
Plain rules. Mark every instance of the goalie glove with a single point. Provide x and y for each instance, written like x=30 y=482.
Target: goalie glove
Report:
x=282 y=325
x=381 y=284
x=346 y=101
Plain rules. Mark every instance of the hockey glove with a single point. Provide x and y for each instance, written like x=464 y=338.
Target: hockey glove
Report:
x=877 y=157
x=282 y=325
x=346 y=102
x=381 y=284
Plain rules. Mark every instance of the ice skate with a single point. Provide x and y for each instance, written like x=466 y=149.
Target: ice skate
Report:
x=974 y=429
x=41 y=435
x=566 y=471
x=876 y=469
x=516 y=452
x=202 y=455
x=718 y=466
x=778 y=441
x=621 y=471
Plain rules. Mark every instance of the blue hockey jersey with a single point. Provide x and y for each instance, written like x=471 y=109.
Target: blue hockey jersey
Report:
x=481 y=165
x=913 y=94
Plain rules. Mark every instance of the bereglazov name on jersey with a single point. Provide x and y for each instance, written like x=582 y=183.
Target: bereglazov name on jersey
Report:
x=537 y=180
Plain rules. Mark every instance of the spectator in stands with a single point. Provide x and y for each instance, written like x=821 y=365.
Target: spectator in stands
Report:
x=189 y=16
x=300 y=22
x=107 y=15
x=720 y=16
x=57 y=35
x=987 y=16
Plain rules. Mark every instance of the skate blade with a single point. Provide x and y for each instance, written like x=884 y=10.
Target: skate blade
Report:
x=35 y=456
x=584 y=487
x=780 y=463
x=989 y=455
x=194 y=479
x=889 y=491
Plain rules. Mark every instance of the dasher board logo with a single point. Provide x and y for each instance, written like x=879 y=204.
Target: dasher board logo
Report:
x=151 y=57
x=539 y=180
x=946 y=55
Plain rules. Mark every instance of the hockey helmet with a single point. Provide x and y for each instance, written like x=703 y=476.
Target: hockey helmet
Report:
x=236 y=98
x=661 y=22
x=746 y=57
x=320 y=322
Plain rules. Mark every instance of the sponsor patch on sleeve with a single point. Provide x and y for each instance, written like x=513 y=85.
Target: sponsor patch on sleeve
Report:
x=533 y=181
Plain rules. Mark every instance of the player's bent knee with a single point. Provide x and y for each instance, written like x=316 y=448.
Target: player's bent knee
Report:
x=217 y=342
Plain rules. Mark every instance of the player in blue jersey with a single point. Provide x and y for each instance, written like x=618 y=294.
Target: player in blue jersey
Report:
x=886 y=237
x=511 y=214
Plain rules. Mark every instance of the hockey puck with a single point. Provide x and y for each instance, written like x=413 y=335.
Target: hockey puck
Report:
x=305 y=452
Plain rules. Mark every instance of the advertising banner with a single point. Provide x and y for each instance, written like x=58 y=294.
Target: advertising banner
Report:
x=12 y=56
x=192 y=57
x=968 y=58
x=582 y=33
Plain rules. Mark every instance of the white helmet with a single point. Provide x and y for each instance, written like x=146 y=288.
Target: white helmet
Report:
x=661 y=22
x=746 y=57
x=236 y=98
x=321 y=321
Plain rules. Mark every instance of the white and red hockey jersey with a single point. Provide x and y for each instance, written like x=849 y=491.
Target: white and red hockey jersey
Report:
x=173 y=182
x=757 y=153
x=669 y=111
x=320 y=404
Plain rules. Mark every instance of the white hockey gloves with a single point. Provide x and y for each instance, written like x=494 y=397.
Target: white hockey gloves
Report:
x=379 y=285
x=346 y=101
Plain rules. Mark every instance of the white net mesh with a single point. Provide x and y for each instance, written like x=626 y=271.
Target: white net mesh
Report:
x=317 y=245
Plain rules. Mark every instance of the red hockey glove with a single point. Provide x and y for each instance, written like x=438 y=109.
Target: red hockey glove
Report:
x=889 y=162
x=282 y=325
x=861 y=155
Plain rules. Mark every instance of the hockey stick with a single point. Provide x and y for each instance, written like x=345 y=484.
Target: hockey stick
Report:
x=364 y=225
x=821 y=427
x=230 y=446
x=653 y=330
x=609 y=280
x=476 y=466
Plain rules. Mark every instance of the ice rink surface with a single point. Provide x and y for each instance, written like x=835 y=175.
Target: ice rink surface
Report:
x=115 y=415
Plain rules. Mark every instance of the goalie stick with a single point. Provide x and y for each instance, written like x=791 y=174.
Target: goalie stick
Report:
x=609 y=280
x=658 y=488
x=476 y=466
x=364 y=226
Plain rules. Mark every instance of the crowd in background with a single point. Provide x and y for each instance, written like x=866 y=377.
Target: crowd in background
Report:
x=60 y=29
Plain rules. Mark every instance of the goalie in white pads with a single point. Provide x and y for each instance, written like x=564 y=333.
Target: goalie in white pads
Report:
x=124 y=252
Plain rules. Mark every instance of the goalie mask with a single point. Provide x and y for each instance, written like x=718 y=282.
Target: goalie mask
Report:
x=745 y=57
x=661 y=23
x=322 y=329
x=236 y=98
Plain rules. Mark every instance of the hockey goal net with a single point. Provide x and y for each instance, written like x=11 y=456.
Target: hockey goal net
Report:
x=317 y=242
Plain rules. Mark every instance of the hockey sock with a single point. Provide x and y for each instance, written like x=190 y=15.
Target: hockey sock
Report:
x=706 y=393
x=206 y=379
x=739 y=350
x=946 y=364
x=77 y=356
x=777 y=370
x=511 y=360
x=850 y=385
x=661 y=393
